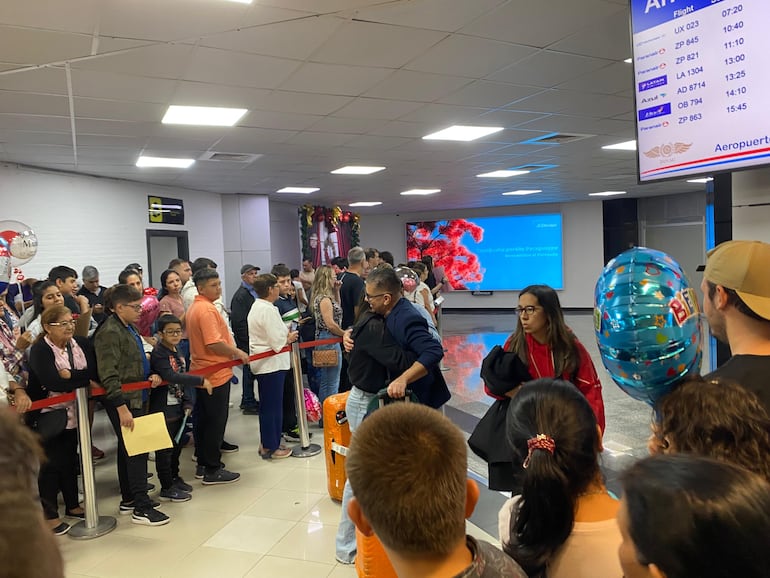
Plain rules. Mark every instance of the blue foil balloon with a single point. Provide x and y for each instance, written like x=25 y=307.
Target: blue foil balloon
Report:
x=647 y=323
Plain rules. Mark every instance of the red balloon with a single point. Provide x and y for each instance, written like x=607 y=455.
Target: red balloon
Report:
x=150 y=311
x=320 y=218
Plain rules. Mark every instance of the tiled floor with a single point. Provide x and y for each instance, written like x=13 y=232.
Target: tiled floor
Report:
x=278 y=519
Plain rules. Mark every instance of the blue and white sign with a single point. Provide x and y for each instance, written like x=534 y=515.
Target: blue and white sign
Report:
x=702 y=85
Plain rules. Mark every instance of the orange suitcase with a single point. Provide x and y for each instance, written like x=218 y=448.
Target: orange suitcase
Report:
x=336 y=442
x=371 y=560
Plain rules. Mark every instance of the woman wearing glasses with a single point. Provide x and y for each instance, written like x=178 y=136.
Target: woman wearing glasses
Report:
x=59 y=362
x=549 y=349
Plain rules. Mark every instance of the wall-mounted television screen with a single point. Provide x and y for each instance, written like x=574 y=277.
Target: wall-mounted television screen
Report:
x=492 y=253
x=701 y=86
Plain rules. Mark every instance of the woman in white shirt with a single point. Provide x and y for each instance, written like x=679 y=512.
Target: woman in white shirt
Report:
x=562 y=525
x=268 y=332
x=422 y=294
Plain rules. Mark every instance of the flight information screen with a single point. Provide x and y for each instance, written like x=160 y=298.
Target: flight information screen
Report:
x=702 y=84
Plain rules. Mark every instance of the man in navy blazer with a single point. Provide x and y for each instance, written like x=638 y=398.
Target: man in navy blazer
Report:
x=410 y=330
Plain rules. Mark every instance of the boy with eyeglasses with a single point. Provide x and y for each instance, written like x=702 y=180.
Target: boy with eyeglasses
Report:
x=169 y=399
x=120 y=359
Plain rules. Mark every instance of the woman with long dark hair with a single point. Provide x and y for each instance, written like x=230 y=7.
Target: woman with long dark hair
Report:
x=689 y=517
x=562 y=525
x=59 y=362
x=171 y=303
x=550 y=349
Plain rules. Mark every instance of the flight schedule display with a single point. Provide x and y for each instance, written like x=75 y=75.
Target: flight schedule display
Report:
x=702 y=84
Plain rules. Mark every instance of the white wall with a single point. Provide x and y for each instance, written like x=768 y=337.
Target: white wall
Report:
x=246 y=233
x=82 y=220
x=583 y=248
x=284 y=235
x=751 y=205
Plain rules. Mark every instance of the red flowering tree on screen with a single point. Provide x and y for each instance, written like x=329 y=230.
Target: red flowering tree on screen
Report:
x=442 y=240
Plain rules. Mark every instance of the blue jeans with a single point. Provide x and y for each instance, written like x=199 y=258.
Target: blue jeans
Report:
x=270 y=387
x=346 y=531
x=328 y=377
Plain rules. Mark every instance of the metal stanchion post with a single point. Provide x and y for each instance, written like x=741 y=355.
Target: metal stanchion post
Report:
x=440 y=323
x=94 y=525
x=305 y=449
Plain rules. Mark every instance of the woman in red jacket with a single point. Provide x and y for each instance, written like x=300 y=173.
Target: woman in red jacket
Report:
x=550 y=349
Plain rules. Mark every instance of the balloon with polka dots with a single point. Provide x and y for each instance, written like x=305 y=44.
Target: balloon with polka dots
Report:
x=647 y=322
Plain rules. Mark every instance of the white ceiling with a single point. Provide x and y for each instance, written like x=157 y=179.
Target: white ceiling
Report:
x=84 y=85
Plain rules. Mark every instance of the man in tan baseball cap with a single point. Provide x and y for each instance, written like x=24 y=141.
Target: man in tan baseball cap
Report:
x=736 y=302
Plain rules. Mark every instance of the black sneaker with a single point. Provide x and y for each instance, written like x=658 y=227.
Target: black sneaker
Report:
x=126 y=508
x=200 y=471
x=228 y=448
x=150 y=487
x=174 y=495
x=61 y=529
x=293 y=435
x=149 y=517
x=221 y=476
x=180 y=484
x=250 y=411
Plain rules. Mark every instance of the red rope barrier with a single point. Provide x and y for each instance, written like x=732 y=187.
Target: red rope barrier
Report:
x=135 y=386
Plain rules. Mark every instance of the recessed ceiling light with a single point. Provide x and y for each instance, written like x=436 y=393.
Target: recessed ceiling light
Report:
x=365 y=204
x=629 y=145
x=628 y=60
x=241 y=1
x=501 y=174
x=421 y=192
x=463 y=133
x=522 y=192
x=706 y=180
x=298 y=190
x=607 y=194
x=203 y=115
x=357 y=170
x=164 y=162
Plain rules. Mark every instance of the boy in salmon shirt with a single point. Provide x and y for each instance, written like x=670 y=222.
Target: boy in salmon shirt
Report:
x=210 y=343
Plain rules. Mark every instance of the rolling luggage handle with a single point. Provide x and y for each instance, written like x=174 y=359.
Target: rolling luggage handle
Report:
x=381 y=399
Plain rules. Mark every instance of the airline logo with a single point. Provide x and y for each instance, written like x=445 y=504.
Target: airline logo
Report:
x=656 y=82
x=667 y=150
x=654 y=112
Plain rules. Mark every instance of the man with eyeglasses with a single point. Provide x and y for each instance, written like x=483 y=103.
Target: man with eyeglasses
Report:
x=121 y=359
x=383 y=292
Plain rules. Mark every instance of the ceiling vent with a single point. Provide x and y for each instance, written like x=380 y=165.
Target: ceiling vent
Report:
x=242 y=158
x=556 y=138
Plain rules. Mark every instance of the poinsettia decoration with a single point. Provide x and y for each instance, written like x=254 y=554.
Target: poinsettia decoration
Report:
x=312 y=217
x=443 y=240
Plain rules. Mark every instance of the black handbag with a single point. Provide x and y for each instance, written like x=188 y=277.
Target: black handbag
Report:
x=48 y=425
x=488 y=438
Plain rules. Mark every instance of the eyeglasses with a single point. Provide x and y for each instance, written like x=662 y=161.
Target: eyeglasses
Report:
x=529 y=310
x=137 y=307
x=70 y=323
x=370 y=297
x=172 y=332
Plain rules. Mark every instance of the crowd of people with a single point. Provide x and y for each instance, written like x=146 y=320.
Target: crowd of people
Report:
x=698 y=506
